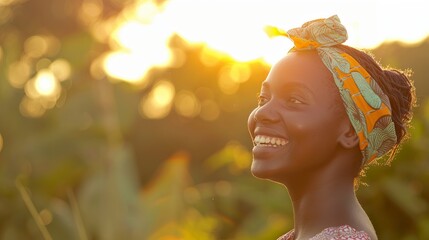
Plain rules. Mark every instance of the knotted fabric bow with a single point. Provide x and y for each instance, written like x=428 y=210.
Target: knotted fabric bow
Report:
x=367 y=107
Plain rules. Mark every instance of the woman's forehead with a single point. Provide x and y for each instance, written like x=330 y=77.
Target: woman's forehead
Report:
x=304 y=68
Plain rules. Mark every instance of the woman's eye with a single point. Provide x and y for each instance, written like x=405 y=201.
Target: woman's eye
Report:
x=262 y=100
x=294 y=100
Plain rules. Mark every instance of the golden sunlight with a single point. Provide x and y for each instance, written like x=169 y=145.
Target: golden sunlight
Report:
x=140 y=44
x=141 y=35
x=125 y=66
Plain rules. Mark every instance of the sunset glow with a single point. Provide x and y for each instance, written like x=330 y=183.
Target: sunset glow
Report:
x=236 y=27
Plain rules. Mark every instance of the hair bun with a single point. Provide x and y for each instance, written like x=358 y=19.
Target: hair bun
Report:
x=399 y=87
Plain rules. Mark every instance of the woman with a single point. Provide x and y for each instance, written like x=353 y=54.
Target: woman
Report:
x=325 y=111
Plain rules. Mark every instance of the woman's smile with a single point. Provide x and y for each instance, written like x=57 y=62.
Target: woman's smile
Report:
x=267 y=141
x=265 y=147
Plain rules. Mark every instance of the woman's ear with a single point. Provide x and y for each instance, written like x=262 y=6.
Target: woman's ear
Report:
x=348 y=137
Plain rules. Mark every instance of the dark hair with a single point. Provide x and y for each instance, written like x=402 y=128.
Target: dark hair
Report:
x=396 y=84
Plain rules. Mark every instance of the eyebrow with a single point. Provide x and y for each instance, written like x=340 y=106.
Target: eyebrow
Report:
x=291 y=85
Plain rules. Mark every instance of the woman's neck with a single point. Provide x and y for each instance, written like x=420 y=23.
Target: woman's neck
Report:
x=326 y=206
x=323 y=201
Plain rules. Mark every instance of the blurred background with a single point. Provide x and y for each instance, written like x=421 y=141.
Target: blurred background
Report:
x=126 y=119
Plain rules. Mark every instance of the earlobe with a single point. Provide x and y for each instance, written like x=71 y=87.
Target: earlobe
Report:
x=349 y=138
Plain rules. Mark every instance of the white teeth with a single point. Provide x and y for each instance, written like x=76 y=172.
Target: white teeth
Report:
x=261 y=140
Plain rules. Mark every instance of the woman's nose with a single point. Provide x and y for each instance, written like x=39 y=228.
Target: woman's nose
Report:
x=266 y=113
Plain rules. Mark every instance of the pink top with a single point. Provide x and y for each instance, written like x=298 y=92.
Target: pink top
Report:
x=333 y=233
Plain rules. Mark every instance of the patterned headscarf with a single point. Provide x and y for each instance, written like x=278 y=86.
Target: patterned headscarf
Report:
x=367 y=107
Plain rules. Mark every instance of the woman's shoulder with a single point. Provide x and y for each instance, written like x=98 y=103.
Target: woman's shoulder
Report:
x=333 y=233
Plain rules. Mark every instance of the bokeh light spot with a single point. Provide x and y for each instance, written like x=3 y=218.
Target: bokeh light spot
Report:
x=30 y=89
x=158 y=103
x=46 y=216
x=163 y=93
x=61 y=69
x=186 y=104
x=19 y=73
x=36 y=46
x=46 y=84
x=90 y=11
x=48 y=103
x=226 y=84
x=31 y=108
x=231 y=76
x=239 y=72
x=96 y=68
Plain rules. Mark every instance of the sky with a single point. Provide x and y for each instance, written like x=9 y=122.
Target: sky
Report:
x=235 y=27
x=369 y=23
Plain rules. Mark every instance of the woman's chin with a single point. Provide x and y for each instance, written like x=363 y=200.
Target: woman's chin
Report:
x=261 y=171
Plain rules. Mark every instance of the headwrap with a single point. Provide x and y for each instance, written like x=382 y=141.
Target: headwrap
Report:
x=367 y=107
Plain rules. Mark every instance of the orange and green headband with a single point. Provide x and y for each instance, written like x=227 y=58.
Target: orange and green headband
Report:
x=367 y=107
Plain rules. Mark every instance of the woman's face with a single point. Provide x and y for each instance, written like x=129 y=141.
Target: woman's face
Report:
x=295 y=126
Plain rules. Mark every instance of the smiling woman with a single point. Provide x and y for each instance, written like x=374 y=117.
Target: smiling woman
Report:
x=325 y=111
